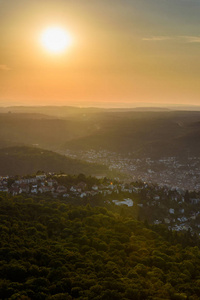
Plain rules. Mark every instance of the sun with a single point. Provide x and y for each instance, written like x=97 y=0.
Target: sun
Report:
x=55 y=39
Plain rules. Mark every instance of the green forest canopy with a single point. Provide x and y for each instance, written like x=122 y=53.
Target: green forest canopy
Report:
x=51 y=250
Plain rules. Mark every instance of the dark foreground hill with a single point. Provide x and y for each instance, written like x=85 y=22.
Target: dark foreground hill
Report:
x=28 y=160
x=50 y=250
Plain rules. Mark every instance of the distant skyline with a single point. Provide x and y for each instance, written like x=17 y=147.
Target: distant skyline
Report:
x=124 y=53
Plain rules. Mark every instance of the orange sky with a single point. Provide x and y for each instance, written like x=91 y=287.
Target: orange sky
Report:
x=123 y=52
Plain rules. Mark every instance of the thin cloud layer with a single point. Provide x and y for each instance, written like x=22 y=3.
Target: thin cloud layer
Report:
x=157 y=38
x=4 y=68
x=192 y=39
x=186 y=39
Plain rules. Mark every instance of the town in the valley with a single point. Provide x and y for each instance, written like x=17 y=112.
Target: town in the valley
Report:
x=166 y=171
x=176 y=208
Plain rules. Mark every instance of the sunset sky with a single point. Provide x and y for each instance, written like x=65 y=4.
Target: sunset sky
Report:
x=122 y=52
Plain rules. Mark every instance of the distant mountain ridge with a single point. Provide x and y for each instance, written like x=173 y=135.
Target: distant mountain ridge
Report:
x=139 y=133
x=151 y=108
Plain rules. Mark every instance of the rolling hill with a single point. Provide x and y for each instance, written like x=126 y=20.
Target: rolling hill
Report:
x=27 y=160
x=141 y=134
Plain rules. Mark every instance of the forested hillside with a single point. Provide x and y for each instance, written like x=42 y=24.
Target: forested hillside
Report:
x=51 y=250
x=28 y=160
x=141 y=134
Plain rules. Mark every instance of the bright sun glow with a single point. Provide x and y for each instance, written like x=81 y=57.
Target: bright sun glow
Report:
x=55 y=39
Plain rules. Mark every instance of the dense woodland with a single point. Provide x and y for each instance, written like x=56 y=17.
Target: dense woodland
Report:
x=53 y=250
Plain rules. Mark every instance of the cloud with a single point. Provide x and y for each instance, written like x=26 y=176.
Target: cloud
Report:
x=191 y=39
x=4 y=68
x=184 y=38
x=157 y=38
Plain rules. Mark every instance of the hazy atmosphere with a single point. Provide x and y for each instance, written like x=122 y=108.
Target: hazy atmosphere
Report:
x=99 y=150
x=116 y=53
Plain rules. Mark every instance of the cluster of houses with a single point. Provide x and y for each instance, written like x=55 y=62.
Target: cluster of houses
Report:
x=165 y=171
x=169 y=204
x=45 y=183
x=29 y=185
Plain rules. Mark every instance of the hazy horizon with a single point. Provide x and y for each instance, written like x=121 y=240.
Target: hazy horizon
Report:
x=107 y=105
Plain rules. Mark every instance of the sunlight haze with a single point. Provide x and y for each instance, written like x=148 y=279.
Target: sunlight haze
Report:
x=55 y=39
x=124 y=52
